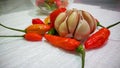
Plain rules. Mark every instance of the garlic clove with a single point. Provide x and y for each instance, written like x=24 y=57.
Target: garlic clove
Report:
x=82 y=30
x=88 y=17
x=62 y=30
x=72 y=21
x=60 y=18
x=68 y=12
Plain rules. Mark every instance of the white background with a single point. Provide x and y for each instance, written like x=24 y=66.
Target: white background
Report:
x=19 y=53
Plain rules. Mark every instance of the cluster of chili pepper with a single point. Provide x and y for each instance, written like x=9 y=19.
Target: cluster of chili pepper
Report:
x=96 y=40
x=35 y=32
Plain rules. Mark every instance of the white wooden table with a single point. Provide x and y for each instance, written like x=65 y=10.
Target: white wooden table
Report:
x=19 y=53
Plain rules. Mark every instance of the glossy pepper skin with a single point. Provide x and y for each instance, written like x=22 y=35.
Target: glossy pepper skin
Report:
x=37 y=21
x=34 y=28
x=98 y=39
x=27 y=36
x=54 y=14
x=67 y=44
x=37 y=28
x=64 y=43
x=33 y=37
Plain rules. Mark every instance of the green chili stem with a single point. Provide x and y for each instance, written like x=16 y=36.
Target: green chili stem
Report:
x=11 y=35
x=98 y=24
x=52 y=31
x=81 y=50
x=12 y=28
x=113 y=25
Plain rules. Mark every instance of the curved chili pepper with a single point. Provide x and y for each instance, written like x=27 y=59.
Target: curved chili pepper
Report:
x=33 y=37
x=27 y=36
x=35 y=28
x=38 y=28
x=99 y=38
x=66 y=44
x=54 y=14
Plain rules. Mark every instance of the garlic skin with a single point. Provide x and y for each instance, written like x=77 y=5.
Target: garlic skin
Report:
x=75 y=23
x=60 y=18
x=82 y=30
x=91 y=21
x=72 y=21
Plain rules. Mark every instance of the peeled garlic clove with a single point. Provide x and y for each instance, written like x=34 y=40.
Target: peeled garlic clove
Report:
x=62 y=30
x=88 y=17
x=60 y=18
x=72 y=22
x=82 y=30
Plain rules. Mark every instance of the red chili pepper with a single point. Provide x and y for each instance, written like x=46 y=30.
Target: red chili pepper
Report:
x=27 y=36
x=65 y=43
x=54 y=14
x=37 y=21
x=98 y=39
x=33 y=37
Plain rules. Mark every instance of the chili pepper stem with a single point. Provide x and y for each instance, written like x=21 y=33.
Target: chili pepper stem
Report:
x=12 y=28
x=12 y=36
x=98 y=24
x=52 y=31
x=81 y=50
x=113 y=25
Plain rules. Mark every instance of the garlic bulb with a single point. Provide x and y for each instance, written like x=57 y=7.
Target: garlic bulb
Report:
x=75 y=23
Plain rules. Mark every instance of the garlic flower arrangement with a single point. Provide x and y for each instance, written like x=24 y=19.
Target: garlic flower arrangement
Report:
x=75 y=23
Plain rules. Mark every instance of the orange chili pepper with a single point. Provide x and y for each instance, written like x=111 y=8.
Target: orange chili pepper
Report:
x=27 y=36
x=35 y=28
x=33 y=37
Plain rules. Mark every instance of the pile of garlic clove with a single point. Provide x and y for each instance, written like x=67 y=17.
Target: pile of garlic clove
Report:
x=75 y=23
